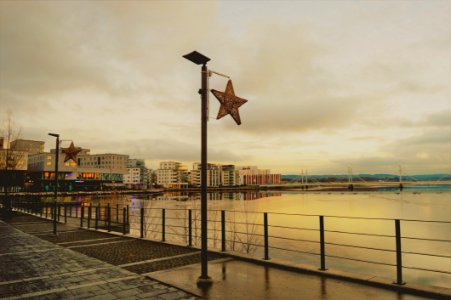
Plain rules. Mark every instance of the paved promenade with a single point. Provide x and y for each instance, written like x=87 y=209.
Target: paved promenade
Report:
x=88 y=264
x=34 y=268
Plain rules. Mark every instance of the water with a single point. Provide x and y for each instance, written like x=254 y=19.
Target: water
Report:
x=363 y=220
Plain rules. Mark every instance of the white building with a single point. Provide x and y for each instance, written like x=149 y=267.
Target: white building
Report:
x=172 y=174
x=213 y=175
x=137 y=175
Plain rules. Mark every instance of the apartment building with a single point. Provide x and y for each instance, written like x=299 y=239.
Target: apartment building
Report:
x=172 y=174
x=251 y=175
x=137 y=174
x=213 y=175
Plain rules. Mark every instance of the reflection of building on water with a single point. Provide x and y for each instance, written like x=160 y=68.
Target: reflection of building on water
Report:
x=181 y=196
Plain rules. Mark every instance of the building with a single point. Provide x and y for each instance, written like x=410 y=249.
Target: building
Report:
x=172 y=174
x=13 y=168
x=213 y=175
x=228 y=175
x=254 y=176
x=137 y=176
x=29 y=146
x=90 y=172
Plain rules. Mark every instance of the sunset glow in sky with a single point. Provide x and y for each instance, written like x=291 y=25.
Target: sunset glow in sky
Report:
x=330 y=84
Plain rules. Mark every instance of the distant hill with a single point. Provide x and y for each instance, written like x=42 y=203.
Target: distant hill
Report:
x=369 y=177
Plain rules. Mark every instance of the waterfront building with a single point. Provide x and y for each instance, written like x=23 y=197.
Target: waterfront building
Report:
x=90 y=172
x=137 y=174
x=172 y=174
x=213 y=175
x=251 y=175
x=228 y=175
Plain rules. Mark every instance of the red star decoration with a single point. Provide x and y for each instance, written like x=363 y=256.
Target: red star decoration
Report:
x=229 y=103
x=71 y=152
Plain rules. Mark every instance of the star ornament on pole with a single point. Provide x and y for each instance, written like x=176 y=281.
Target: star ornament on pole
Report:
x=71 y=152
x=229 y=103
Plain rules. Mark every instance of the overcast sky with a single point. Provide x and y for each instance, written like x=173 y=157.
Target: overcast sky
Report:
x=329 y=84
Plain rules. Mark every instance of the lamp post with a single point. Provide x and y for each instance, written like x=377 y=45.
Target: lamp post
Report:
x=56 y=177
x=204 y=280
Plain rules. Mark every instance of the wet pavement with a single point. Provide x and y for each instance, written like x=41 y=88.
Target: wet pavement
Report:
x=235 y=279
x=87 y=264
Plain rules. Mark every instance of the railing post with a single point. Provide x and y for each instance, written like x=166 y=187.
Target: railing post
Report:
x=128 y=214
x=40 y=209
x=82 y=214
x=117 y=213
x=108 y=213
x=105 y=216
x=124 y=224
x=89 y=214
x=97 y=209
x=163 y=224
x=223 y=231
x=190 y=228
x=58 y=211
x=265 y=227
x=142 y=222
x=398 y=253
x=70 y=211
x=76 y=212
x=54 y=217
x=322 y=245
x=65 y=213
x=46 y=211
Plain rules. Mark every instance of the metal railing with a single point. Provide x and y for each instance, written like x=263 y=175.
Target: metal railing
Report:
x=256 y=232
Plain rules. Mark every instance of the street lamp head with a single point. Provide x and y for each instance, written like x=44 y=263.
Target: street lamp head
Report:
x=54 y=134
x=197 y=58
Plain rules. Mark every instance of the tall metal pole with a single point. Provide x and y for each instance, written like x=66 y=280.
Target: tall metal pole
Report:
x=204 y=279
x=199 y=59
x=56 y=177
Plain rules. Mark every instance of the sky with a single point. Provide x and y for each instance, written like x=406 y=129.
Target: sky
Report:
x=331 y=85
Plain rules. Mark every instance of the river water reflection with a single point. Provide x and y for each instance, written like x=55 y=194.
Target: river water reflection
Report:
x=359 y=227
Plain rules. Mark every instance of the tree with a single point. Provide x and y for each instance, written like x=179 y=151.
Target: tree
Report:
x=10 y=158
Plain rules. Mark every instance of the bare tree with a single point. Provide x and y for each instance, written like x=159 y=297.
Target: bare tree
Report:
x=10 y=159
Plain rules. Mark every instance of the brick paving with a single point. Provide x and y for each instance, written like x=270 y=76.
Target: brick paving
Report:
x=71 y=265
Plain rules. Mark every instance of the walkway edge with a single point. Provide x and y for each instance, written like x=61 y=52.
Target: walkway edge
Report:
x=417 y=290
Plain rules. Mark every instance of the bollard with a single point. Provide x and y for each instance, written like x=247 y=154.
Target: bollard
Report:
x=82 y=214
x=124 y=224
x=190 y=228
x=223 y=231
x=322 y=245
x=265 y=226
x=142 y=222
x=163 y=224
x=398 y=254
